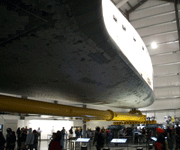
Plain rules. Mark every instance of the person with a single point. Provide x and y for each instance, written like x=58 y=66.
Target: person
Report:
x=2 y=141
x=107 y=136
x=77 y=133
x=177 y=136
x=59 y=136
x=148 y=135
x=39 y=133
x=169 y=138
x=70 y=132
x=87 y=132
x=8 y=138
x=81 y=133
x=18 y=132
x=143 y=135
x=160 y=143
x=12 y=140
x=30 y=139
x=102 y=130
x=55 y=143
x=23 y=138
x=98 y=139
x=173 y=135
x=136 y=134
x=63 y=131
x=35 y=144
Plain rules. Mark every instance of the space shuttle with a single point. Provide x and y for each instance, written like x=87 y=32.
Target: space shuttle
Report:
x=87 y=52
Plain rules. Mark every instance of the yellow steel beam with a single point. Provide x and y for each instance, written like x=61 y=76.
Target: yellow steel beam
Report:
x=128 y=116
x=21 y=105
x=134 y=122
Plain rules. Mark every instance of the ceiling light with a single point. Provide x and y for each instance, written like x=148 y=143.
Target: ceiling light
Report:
x=154 y=45
x=45 y=116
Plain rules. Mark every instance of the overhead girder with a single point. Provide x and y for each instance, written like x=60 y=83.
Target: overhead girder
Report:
x=156 y=25
x=153 y=16
x=167 y=64
x=158 y=34
x=136 y=6
x=22 y=105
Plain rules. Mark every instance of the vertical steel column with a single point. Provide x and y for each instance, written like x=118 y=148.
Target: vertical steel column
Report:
x=177 y=19
x=84 y=125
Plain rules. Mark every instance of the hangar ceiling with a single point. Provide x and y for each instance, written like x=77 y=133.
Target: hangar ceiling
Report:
x=154 y=20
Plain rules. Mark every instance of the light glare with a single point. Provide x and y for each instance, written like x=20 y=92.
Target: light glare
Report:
x=154 y=45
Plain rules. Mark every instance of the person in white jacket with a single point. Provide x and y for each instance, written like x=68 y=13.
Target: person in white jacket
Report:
x=30 y=139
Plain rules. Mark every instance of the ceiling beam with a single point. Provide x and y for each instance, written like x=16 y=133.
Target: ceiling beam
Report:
x=129 y=5
x=166 y=64
x=177 y=19
x=136 y=6
x=159 y=34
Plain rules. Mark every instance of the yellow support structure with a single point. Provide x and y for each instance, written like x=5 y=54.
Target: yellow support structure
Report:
x=22 y=105
x=129 y=117
x=134 y=122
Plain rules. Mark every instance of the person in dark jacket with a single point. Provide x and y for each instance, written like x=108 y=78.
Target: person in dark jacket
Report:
x=169 y=138
x=18 y=132
x=177 y=136
x=55 y=143
x=99 y=139
x=35 y=139
x=2 y=141
x=23 y=136
x=8 y=138
x=12 y=140
x=160 y=143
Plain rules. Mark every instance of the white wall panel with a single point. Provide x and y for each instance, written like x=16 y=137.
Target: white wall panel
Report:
x=149 y=21
x=166 y=92
x=13 y=124
x=150 y=114
x=151 y=4
x=167 y=81
x=154 y=30
x=46 y=126
x=161 y=38
x=160 y=116
x=163 y=70
x=164 y=48
x=164 y=59
x=138 y=13
x=177 y=113
x=171 y=113
x=94 y=124
x=163 y=104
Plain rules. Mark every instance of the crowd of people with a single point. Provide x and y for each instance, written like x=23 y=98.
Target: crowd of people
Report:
x=25 y=138
x=173 y=138
x=28 y=138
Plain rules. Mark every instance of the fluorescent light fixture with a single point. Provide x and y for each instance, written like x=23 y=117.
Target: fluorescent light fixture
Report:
x=45 y=116
x=154 y=45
